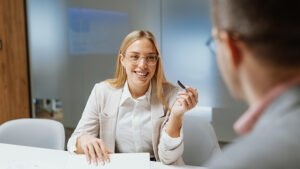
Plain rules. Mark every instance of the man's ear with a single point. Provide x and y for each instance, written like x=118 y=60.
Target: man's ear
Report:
x=233 y=48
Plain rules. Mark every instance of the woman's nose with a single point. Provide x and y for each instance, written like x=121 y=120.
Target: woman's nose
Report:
x=142 y=62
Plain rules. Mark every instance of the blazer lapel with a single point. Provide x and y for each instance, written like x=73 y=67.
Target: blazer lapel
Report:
x=108 y=130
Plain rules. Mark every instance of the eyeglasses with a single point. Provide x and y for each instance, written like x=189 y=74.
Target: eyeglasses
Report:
x=212 y=45
x=211 y=42
x=134 y=59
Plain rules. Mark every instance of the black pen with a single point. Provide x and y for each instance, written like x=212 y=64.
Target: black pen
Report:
x=182 y=86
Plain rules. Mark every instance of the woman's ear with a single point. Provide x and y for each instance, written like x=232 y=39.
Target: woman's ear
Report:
x=121 y=56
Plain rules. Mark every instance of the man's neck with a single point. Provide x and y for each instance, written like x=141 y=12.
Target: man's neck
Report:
x=260 y=80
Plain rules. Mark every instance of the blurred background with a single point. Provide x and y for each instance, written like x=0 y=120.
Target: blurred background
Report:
x=51 y=58
x=73 y=44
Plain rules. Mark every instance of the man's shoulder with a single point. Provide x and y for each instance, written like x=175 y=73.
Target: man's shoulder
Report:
x=288 y=99
x=269 y=149
x=284 y=112
x=274 y=141
x=272 y=144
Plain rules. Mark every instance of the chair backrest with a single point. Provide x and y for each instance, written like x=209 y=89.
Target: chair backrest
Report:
x=42 y=133
x=200 y=140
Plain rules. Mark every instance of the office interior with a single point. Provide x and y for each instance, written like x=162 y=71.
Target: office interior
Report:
x=73 y=44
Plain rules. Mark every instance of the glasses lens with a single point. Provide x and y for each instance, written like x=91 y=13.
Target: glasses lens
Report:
x=151 y=60
x=133 y=58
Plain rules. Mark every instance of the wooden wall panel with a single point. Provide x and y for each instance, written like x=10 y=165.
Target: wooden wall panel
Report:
x=14 y=81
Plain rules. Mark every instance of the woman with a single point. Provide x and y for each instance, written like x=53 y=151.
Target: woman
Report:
x=137 y=110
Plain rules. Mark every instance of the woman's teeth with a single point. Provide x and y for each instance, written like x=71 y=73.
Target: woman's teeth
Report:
x=141 y=74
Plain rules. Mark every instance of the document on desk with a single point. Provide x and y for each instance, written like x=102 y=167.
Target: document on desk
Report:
x=24 y=157
x=117 y=161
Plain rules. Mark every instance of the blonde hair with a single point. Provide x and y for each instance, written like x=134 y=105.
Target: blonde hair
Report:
x=121 y=76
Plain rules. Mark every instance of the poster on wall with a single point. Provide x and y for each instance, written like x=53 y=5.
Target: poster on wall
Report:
x=95 y=31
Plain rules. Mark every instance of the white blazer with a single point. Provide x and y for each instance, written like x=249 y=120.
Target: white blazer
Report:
x=99 y=119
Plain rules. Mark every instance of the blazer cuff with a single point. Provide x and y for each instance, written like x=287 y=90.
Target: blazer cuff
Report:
x=170 y=143
x=72 y=144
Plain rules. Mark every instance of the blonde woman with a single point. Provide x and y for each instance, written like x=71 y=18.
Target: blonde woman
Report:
x=136 y=111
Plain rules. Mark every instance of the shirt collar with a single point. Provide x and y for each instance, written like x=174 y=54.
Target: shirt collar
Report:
x=127 y=95
x=248 y=120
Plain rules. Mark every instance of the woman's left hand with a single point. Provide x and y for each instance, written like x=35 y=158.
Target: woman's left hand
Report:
x=186 y=100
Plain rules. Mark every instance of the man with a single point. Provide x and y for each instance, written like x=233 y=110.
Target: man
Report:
x=259 y=57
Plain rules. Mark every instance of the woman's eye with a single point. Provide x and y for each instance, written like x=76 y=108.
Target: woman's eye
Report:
x=151 y=58
x=135 y=57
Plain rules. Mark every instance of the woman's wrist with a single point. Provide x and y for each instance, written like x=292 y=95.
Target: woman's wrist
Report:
x=176 y=116
x=77 y=145
x=79 y=149
x=174 y=125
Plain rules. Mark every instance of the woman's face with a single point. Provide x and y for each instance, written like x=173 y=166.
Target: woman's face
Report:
x=139 y=71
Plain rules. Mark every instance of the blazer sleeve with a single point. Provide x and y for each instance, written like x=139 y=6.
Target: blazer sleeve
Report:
x=89 y=122
x=170 y=149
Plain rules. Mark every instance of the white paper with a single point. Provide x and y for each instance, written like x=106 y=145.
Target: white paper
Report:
x=23 y=157
x=117 y=161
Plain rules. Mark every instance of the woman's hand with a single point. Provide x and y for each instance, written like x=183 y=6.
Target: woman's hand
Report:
x=186 y=100
x=93 y=148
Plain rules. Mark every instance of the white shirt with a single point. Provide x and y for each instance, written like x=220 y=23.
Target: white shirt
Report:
x=134 y=127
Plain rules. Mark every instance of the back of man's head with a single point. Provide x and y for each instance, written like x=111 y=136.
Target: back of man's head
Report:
x=269 y=28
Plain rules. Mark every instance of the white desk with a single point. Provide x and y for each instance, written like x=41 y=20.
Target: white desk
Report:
x=22 y=157
x=159 y=165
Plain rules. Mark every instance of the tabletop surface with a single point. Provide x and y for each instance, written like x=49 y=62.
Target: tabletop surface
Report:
x=24 y=157
x=159 y=165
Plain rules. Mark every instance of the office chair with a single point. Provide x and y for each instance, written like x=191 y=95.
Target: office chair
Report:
x=200 y=140
x=42 y=133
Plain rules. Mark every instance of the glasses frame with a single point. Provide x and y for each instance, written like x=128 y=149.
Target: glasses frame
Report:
x=138 y=61
x=210 y=43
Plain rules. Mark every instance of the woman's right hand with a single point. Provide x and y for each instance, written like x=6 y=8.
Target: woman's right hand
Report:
x=93 y=148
